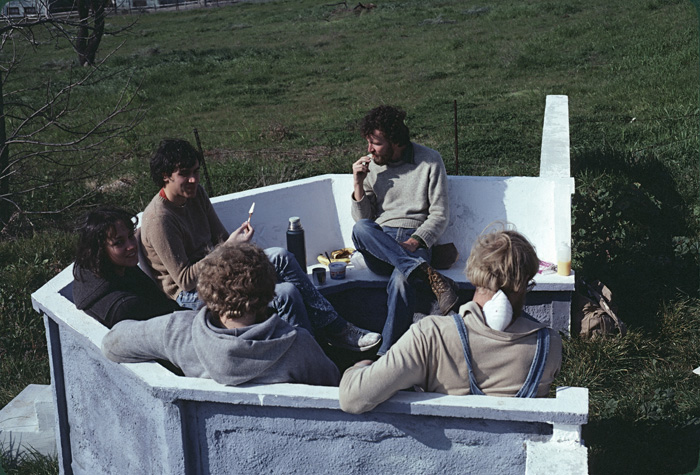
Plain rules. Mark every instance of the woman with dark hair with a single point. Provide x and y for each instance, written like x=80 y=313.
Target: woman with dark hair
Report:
x=108 y=284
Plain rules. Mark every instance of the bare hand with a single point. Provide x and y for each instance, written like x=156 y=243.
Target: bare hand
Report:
x=359 y=173
x=243 y=234
x=360 y=169
x=410 y=245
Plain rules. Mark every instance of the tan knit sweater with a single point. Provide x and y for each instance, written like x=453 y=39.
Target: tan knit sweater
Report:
x=429 y=356
x=407 y=195
x=175 y=238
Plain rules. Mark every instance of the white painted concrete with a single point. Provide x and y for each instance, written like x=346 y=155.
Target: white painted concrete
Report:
x=27 y=422
x=141 y=418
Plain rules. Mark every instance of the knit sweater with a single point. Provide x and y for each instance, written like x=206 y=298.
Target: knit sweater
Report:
x=429 y=357
x=407 y=195
x=133 y=296
x=175 y=238
x=264 y=353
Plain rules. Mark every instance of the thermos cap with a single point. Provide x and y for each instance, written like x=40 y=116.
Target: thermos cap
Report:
x=294 y=223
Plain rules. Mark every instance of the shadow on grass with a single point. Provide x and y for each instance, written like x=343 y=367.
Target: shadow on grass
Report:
x=634 y=231
x=624 y=447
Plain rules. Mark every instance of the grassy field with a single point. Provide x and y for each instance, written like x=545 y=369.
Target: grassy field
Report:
x=276 y=89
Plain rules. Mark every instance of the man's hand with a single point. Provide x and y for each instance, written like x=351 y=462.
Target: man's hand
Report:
x=359 y=173
x=243 y=234
x=410 y=244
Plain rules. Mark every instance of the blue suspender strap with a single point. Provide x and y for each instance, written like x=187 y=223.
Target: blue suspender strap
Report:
x=534 y=376
x=462 y=330
x=539 y=362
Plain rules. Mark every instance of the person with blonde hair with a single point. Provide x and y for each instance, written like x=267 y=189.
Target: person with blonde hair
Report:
x=234 y=338
x=486 y=349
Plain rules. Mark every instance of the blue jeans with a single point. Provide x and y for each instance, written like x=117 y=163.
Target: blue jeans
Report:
x=385 y=256
x=311 y=309
x=296 y=299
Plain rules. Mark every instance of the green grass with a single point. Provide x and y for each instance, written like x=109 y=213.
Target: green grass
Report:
x=276 y=90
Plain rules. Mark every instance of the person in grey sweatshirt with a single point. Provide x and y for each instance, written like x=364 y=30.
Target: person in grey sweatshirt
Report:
x=233 y=339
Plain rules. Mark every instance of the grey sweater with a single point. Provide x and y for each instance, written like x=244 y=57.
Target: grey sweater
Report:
x=269 y=352
x=407 y=195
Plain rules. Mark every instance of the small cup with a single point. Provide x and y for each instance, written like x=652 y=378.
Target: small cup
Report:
x=319 y=275
x=337 y=270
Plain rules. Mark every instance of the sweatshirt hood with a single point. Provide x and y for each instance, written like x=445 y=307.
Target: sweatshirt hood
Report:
x=239 y=355
x=92 y=288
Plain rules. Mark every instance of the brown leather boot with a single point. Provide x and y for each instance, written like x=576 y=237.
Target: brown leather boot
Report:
x=443 y=287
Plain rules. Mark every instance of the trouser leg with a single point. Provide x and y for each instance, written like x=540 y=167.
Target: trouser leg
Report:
x=289 y=305
x=381 y=248
x=385 y=256
x=401 y=299
x=319 y=310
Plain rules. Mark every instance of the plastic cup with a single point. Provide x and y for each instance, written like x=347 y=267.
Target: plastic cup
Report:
x=337 y=270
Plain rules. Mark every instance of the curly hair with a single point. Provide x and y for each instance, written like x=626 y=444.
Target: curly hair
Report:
x=502 y=259
x=390 y=121
x=93 y=231
x=235 y=280
x=172 y=155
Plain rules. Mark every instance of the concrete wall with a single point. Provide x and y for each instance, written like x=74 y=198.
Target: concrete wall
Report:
x=141 y=418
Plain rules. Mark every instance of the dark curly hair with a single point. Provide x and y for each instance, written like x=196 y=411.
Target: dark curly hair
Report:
x=93 y=232
x=390 y=121
x=172 y=155
x=237 y=279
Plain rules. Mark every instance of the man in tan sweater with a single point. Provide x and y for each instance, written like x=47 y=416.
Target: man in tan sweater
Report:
x=180 y=227
x=486 y=349
x=400 y=206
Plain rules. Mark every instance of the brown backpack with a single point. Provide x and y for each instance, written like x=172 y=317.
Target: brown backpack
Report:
x=593 y=313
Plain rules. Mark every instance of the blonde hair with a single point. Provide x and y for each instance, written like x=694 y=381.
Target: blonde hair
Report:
x=502 y=259
x=235 y=280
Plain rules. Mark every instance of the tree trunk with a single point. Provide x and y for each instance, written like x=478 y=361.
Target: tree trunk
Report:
x=89 y=38
x=5 y=205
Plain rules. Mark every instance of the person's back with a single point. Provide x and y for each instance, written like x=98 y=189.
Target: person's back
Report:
x=485 y=349
x=268 y=352
x=233 y=339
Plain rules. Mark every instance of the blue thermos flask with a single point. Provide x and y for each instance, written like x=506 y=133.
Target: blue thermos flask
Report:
x=295 y=241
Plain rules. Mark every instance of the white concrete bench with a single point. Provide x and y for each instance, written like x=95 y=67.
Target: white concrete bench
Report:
x=142 y=418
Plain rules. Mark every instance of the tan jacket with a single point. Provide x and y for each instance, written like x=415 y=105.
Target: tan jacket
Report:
x=429 y=356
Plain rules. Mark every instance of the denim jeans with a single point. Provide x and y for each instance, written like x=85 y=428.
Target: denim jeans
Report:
x=296 y=299
x=313 y=308
x=385 y=256
x=189 y=299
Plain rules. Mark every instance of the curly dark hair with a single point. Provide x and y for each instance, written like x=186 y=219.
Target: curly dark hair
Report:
x=93 y=232
x=172 y=155
x=237 y=279
x=390 y=121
